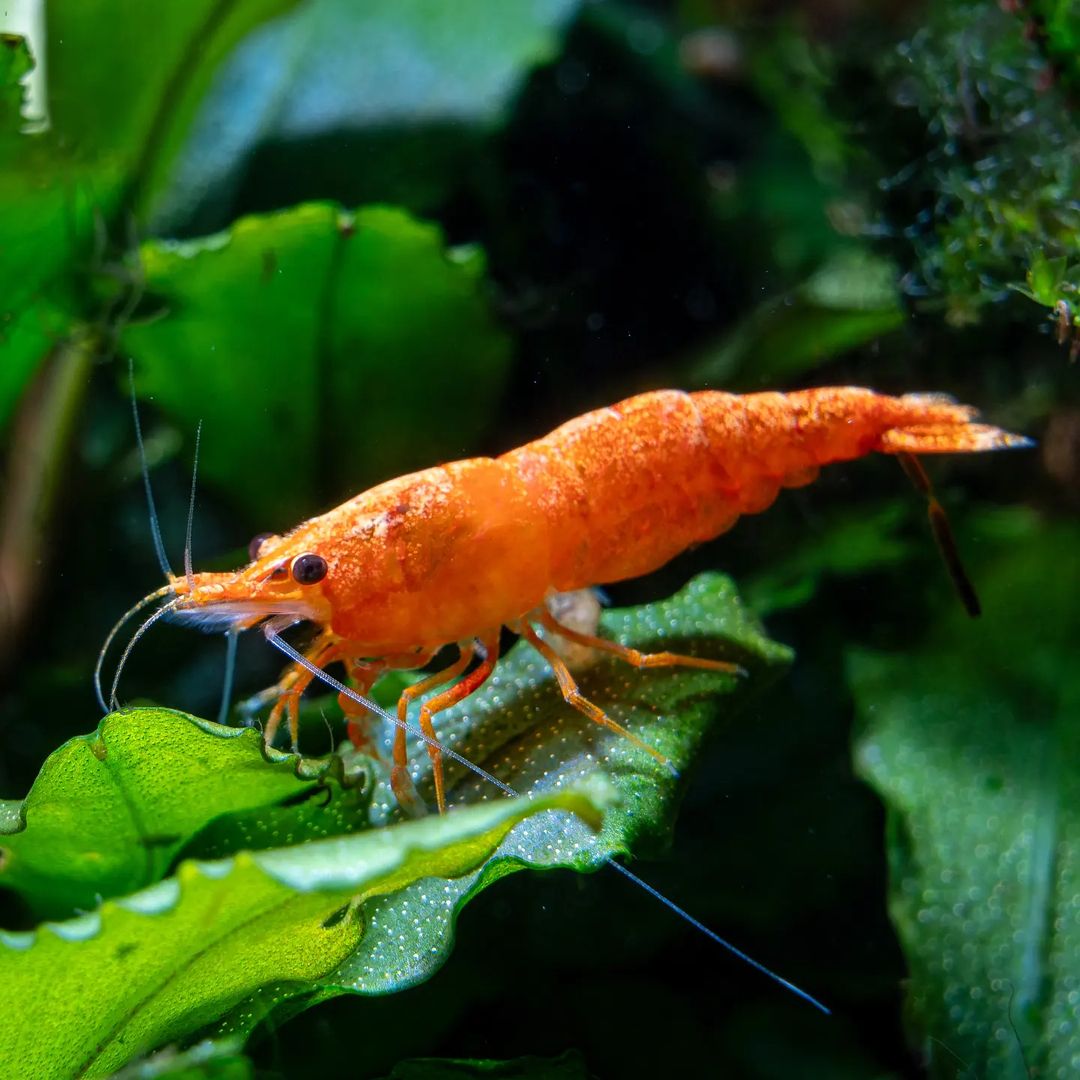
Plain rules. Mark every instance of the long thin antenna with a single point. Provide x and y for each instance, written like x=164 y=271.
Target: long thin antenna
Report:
x=232 y=636
x=160 y=613
x=278 y=642
x=155 y=526
x=188 y=573
x=715 y=937
x=156 y=595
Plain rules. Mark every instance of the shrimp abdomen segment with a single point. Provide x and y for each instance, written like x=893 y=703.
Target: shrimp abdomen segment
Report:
x=622 y=490
x=625 y=489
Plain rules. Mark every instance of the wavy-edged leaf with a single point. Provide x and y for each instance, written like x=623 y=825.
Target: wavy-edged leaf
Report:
x=157 y=965
x=972 y=740
x=110 y=811
x=359 y=346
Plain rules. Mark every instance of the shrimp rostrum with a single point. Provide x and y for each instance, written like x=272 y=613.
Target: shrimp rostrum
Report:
x=452 y=554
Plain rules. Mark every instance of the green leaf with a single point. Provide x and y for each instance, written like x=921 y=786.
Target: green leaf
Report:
x=1045 y=278
x=323 y=351
x=110 y=811
x=87 y=995
x=403 y=126
x=972 y=741
x=113 y=98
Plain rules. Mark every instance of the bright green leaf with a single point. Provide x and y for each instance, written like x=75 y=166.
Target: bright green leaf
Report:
x=101 y=989
x=981 y=777
x=110 y=811
x=322 y=350
x=1045 y=278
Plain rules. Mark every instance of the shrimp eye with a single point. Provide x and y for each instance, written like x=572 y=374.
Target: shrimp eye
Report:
x=308 y=569
x=256 y=543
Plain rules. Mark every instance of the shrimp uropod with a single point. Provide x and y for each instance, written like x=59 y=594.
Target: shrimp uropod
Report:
x=451 y=554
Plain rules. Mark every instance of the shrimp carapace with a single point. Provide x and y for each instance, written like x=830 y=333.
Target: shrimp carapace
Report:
x=452 y=554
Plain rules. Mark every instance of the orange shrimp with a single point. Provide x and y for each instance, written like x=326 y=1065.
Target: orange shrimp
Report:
x=452 y=554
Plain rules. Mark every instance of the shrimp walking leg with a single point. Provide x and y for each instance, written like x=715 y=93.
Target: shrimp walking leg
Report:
x=400 y=781
x=633 y=656
x=574 y=697
x=364 y=675
x=439 y=703
x=325 y=650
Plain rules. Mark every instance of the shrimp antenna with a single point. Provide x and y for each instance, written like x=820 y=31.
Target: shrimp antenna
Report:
x=722 y=942
x=272 y=635
x=232 y=636
x=156 y=595
x=191 y=512
x=155 y=526
x=161 y=611
x=943 y=534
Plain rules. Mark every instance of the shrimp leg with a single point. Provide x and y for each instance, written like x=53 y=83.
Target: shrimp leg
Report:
x=399 y=777
x=364 y=674
x=574 y=697
x=633 y=656
x=325 y=650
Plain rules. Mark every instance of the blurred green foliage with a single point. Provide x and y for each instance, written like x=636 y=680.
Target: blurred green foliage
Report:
x=354 y=240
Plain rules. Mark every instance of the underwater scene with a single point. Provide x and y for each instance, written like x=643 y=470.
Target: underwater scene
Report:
x=539 y=538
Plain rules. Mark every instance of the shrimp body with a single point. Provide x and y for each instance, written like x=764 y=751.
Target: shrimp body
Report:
x=453 y=553
x=449 y=552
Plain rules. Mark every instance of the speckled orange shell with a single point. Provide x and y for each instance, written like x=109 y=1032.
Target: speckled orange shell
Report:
x=448 y=553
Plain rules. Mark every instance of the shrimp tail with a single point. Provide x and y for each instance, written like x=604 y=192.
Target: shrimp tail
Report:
x=955 y=438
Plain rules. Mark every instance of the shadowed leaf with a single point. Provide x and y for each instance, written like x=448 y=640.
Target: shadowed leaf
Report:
x=981 y=777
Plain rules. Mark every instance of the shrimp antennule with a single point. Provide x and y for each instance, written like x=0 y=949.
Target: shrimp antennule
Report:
x=165 y=590
x=159 y=614
x=155 y=525
x=188 y=572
